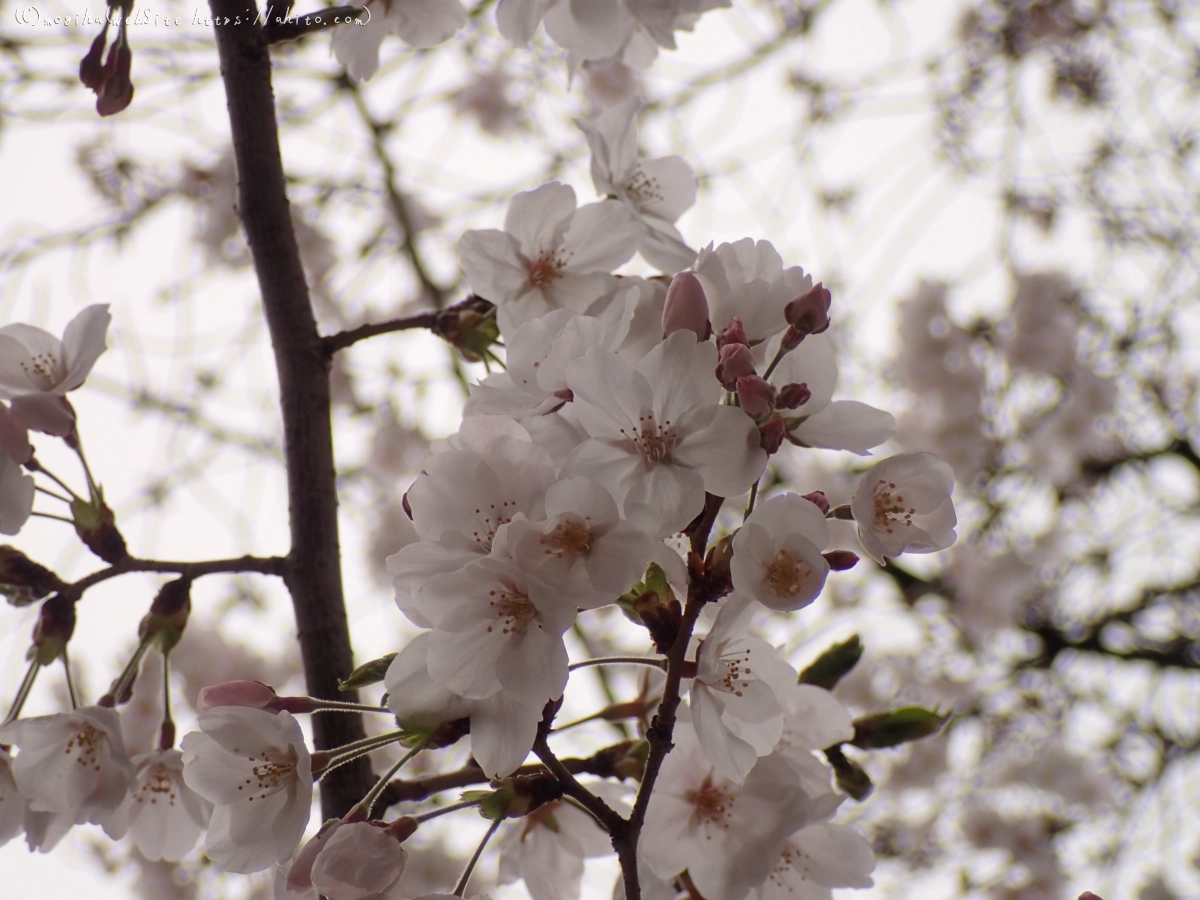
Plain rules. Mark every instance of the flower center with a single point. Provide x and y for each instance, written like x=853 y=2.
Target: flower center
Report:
x=735 y=668
x=490 y=520
x=889 y=507
x=85 y=745
x=641 y=188
x=785 y=575
x=653 y=442
x=270 y=771
x=545 y=270
x=156 y=783
x=42 y=369
x=514 y=610
x=711 y=803
x=569 y=538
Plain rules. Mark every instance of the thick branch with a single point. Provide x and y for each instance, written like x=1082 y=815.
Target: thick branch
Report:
x=314 y=565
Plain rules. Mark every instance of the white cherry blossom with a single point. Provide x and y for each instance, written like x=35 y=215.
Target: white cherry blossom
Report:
x=254 y=766
x=656 y=191
x=16 y=496
x=12 y=803
x=903 y=505
x=165 y=816
x=659 y=438
x=73 y=764
x=747 y=279
x=734 y=694
x=550 y=255
x=816 y=859
x=419 y=23
x=777 y=553
x=358 y=861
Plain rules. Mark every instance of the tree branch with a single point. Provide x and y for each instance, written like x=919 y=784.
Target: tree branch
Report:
x=313 y=574
x=343 y=339
x=263 y=565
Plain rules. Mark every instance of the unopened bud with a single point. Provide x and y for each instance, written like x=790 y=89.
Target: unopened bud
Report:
x=402 y=828
x=652 y=604
x=819 y=500
x=23 y=580
x=756 y=395
x=734 y=333
x=771 y=434
x=842 y=512
x=168 y=614
x=791 y=339
x=831 y=666
x=736 y=360
x=686 y=308
x=117 y=91
x=516 y=796
x=809 y=313
x=469 y=326
x=368 y=673
x=840 y=560
x=52 y=633
x=900 y=726
x=96 y=526
x=793 y=396
x=851 y=777
x=254 y=694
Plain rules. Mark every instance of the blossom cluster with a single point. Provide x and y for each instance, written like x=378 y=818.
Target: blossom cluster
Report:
x=629 y=409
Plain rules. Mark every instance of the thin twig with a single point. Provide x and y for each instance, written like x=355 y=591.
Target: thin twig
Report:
x=334 y=342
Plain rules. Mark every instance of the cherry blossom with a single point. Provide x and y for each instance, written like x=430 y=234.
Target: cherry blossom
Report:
x=547 y=847
x=73 y=764
x=550 y=255
x=12 y=803
x=165 y=815
x=419 y=23
x=735 y=708
x=747 y=279
x=16 y=496
x=656 y=191
x=37 y=369
x=254 y=766
x=728 y=836
x=659 y=439
x=903 y=505
x=777 y=553
x=358 y=861
x=816 y=859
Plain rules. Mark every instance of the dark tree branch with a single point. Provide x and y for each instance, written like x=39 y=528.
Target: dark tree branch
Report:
x=269 y=565
x=313 y=573
x=343 y=339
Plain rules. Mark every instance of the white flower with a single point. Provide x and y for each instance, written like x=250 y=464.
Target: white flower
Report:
x=503 y=727
x=74 y=764
x=12 y=803
x=903 y=505
x=735 y=708
x=37 y=369
x=165 y=815
x=359 y=861
x=254 y=766
x=825 y=422
x=816 y=859
x=16 y=496
x=747 y=279
x=420 y=23
x=550 y=255
x=547 y=847
x=657 y=191
x=659 y=438
x=777 y=553
x=727 y=835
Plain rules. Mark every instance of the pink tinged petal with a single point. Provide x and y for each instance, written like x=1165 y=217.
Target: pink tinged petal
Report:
x=619 y=559
x=12 y=804
x=518 y=20
x=686 y=308
x=503 y=728
x=357 y=46
x=663 y=499
x=538 y=219
x=726 y=453
x=670 y=818
x=83 y=342
x=733 y=757
x=680 y=371
x=16 y=496
x=590 y=29
x=815 y=719
x=14 y=437
x=47 y=413
x=836 y=856
x=792 y=514
x=465 y=661
x=668 y=187
x=663 y=246
x=493 y=265
x=43 y=830
x=30 y=361
x=576 y=290
x=414 y=697
x=813 y=364
x=846 y=425
x=602 y=237
x=617 y=133
x=549 y=873
x=252 y=838
x=426 y=23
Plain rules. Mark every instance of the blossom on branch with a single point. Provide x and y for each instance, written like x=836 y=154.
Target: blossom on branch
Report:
x=903 y=505
x=777 y=557
x=419 y=23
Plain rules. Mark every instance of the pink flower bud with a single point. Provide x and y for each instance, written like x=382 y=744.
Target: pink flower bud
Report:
x=254 y=694
x=733 y=334
x=818 y=499
x=686 y=307
x=117 y=92
x=840 y=560
x=91 y=70
x=791 y=339
x=757 y=396
x=809 y=313
x=793 y=396
x=771 y=434
x=736 y=361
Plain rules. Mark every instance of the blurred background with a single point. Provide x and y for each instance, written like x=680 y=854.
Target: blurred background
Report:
x=1002 y=197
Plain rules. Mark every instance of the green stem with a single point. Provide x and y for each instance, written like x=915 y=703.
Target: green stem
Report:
x=23 y=691
x=354 y=750
x=619 y=660
x=461 y=887
x=339 y=706
x=166 y=734
x=372 y=795
x=129 y=673
x=750 y=505
x=70 y=681
x=453 y=807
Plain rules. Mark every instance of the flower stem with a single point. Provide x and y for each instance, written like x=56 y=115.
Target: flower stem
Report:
x=129 y=673
x=23 y=691
x=35 y=466
x=461 y=887
x=70 y=681
x=368 y=801
x=779 y=355
x=354 y=750
x=54 y=494
x=339 y=706
x=750 y=505
x=619 y=660
x=166 y=733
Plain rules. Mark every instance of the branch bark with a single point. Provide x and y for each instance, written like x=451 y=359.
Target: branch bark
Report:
x=313 y=573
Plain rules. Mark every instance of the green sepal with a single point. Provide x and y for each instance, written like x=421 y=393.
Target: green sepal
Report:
x=367 y=674
x=834 y=664
x=900 y=726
